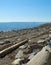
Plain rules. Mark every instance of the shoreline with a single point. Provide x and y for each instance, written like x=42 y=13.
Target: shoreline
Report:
x=37 y=38
x=9 y=26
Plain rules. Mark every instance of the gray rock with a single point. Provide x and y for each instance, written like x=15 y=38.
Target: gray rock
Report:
x=19 y=54
x=23 y=47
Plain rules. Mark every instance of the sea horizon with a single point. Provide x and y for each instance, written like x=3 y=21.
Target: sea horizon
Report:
x=7 y=26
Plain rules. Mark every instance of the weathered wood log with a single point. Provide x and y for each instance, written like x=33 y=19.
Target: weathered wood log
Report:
x=41 y=57
x=11 y=48
x=43 y=33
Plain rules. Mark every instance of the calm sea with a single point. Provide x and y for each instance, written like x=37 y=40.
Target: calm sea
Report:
x=6 y=26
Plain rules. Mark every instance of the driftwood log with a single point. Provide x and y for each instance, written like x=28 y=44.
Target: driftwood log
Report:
x=11 y=48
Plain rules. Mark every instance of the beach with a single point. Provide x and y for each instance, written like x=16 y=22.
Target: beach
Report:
x=37 y=37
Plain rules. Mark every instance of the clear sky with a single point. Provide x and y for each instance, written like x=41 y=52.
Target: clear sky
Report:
x=25 y=10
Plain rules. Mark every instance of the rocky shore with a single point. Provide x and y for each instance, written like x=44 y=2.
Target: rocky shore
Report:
x=37 y=37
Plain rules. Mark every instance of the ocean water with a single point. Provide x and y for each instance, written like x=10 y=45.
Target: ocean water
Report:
x=6 y=26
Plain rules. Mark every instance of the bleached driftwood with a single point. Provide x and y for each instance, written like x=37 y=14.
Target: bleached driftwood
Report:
x=41 y=57
x=11 y=48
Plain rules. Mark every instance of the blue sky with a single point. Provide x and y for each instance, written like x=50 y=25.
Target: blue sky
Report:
x=25 y=10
